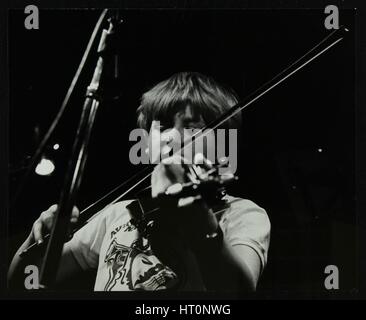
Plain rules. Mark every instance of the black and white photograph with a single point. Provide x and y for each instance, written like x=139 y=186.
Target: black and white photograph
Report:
x=183 y=152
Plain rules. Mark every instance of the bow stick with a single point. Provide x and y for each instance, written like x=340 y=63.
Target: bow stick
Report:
x=117 y=194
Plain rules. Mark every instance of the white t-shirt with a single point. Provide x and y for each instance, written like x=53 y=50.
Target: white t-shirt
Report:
x=124 y=259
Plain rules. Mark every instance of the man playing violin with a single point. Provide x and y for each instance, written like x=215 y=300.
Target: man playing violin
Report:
x=199 y=242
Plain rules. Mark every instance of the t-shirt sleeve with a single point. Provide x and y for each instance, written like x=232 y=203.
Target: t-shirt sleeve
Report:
x=86 y=243
x=245 y=223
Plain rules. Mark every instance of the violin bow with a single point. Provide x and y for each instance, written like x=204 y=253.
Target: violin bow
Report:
x=324 y=45
x=96 y=208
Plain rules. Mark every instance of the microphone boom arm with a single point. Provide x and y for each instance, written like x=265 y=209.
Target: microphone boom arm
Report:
x=76 y=165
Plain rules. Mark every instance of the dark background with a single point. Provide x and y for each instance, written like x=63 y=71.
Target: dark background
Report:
x=308 y=195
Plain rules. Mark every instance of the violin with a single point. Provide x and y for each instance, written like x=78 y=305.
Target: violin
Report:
x=208 y=187
x=181 y=222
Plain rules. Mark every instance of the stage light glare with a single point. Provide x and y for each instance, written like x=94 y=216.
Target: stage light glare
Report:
x=45 y=167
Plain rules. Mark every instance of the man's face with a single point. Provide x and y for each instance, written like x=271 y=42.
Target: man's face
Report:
x=165 y=138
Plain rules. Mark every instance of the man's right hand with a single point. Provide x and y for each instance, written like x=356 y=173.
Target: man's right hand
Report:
x=43 y=224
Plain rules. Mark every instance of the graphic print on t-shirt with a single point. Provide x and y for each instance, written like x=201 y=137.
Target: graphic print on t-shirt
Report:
x=136 y=268
x=116 y=258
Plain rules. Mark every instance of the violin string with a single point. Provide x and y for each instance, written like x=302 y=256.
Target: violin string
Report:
x=238 y=108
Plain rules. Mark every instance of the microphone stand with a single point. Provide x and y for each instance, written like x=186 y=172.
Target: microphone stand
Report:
x=76 y=165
